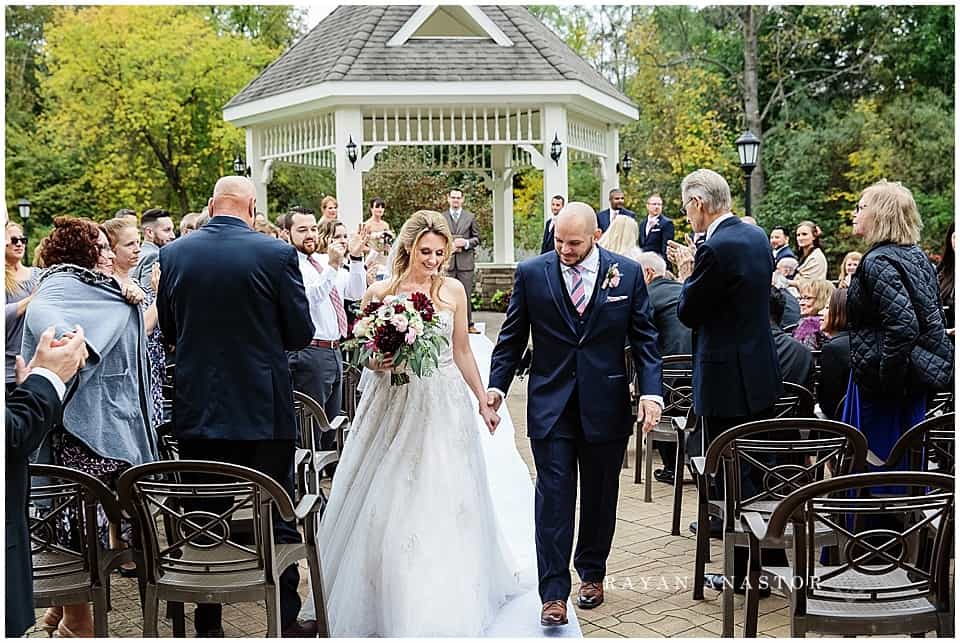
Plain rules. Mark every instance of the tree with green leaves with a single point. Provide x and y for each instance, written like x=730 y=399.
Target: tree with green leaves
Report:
x=139 y=92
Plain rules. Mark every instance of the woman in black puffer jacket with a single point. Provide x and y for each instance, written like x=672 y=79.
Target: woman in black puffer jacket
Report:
x=899 y=349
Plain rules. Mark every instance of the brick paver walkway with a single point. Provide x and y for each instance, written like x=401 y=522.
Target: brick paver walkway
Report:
x=649 y=581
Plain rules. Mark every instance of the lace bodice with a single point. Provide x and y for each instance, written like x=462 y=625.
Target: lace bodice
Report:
x=445 y=358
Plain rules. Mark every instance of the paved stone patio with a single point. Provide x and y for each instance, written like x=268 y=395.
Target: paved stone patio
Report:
x=649 y=582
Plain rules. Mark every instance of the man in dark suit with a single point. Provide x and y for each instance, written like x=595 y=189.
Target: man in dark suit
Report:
x=604 y=217
x=673 y=338
x=791 y=309
x=725 y=300
x=466 y=238
x=796 y=360
x=547 y=244
x=32 y=409
x=657 y=229
x=582 y=304
x=780 y=244
x=232 y=300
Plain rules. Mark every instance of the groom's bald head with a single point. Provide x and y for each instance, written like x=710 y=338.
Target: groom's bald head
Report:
x=580 y=216
x=575 y=232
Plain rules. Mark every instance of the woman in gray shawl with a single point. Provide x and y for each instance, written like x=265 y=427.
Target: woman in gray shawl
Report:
x=106 y=418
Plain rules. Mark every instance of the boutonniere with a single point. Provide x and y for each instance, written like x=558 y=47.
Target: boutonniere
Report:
x=612 y=280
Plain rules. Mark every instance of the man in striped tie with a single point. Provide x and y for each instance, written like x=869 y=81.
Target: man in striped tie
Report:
x=583 y=305
x=317 y=369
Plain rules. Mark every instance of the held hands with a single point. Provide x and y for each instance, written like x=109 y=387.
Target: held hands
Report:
x=681 y=257
x=64 y=356
x=494 y=400
x=490 y=417
x=133 y=293
x=459 y=244
x=650 y=412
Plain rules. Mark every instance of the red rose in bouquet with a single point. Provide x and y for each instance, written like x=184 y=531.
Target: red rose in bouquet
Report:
x=405 y=327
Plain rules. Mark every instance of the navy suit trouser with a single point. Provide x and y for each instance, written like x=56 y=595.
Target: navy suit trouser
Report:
x=558 y=458
x=318 y=372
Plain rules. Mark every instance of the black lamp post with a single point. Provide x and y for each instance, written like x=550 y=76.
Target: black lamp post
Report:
x=748 y=147
x=556 y=149
x=625 y=165
x=352 y=152
x=240 y=167
x=23 y=205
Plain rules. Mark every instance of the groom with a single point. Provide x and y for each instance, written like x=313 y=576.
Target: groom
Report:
x=583 y=305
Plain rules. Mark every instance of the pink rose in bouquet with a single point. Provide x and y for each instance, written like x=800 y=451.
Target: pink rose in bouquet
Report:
x=403 y=326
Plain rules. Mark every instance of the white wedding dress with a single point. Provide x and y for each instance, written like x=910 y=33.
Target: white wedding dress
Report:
x=411 y=542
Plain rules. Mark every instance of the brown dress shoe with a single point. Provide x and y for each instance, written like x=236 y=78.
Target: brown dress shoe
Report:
x=591 y=595
x=554 y=613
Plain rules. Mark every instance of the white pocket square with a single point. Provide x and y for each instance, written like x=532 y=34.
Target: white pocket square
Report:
x=615 y=298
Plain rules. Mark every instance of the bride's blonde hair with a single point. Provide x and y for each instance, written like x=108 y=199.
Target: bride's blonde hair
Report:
x=420 y=223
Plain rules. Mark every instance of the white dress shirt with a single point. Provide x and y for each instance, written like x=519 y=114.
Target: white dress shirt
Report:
x=652 y=223
x=713 y=226
x=591 y=267
x=318 y=285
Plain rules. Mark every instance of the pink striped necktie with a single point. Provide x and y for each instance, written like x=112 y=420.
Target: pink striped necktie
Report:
x=334 y=299
x=577 y=293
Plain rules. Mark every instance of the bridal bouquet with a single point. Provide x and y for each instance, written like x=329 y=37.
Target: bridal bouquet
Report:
x=404 y=326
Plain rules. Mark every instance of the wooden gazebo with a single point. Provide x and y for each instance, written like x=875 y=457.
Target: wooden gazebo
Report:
x=491 y=85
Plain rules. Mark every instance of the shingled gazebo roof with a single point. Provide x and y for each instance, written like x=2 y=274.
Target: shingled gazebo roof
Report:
x=351 y=45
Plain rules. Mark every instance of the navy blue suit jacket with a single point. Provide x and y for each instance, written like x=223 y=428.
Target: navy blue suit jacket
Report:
x=603 y=217
x=548 y=243
x=782 y=253
x=32 y=409
x=564 y=359
x=656 y=241
x=232 y=301
x=736 y=372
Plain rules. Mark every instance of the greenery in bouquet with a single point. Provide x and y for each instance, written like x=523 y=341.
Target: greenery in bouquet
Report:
x=404 y=326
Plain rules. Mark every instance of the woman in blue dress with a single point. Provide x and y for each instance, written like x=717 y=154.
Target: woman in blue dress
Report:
x=899 y=350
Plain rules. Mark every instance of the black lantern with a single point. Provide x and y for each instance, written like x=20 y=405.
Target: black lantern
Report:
x=748 y=147
x=240 y=167
x=556 y=149
x=626 y=164
x=352 y=152
x=23 y=205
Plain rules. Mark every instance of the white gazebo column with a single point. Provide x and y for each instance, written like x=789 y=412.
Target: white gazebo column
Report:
x=554 y=172
x=609 y=171
x=348 y=124
x=502 y=188
x=257 y=173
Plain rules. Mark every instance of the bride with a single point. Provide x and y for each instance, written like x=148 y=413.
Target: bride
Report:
x=410 y=543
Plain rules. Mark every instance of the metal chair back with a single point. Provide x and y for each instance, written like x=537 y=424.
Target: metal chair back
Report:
x=940 y=403
x=201 y=541
x=928 y=446
x=795 y=402
x=767 y=460
x=71 y=567
x=882 y=558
